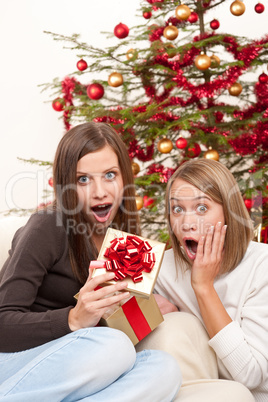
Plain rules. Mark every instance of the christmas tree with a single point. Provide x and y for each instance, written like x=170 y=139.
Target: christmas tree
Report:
x=176 y=88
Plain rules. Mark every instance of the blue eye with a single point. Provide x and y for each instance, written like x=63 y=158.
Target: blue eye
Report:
x=110 y=175
x=176 y=209
x=83 y=180
x=201 y=209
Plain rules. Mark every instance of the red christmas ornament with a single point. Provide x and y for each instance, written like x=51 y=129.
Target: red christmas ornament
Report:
x=50 y=182
x=193 y=17
x=58 y=104
x=148 y=202
x=81 y=65
x=121 y=31
x=147 y=15
x=95 y=91
x=263 y=78
x=193 y=151
x=181 y=143
x=248 y=203
x=259 y=8
x=214 y=24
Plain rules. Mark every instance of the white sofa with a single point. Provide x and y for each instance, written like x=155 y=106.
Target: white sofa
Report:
x=193 y=389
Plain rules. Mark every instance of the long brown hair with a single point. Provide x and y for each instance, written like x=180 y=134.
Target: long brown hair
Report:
x=215 y=180
x=76 y=143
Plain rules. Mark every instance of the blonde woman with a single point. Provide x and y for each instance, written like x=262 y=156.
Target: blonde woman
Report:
x=217 y=277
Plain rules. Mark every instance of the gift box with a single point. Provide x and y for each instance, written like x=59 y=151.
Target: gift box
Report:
x=136 y=317
x=134 y=259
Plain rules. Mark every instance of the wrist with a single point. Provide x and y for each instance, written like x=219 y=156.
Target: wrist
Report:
x=72 y=322
x=203 y=291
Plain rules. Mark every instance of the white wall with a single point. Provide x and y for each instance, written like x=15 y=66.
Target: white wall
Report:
x=30 y=128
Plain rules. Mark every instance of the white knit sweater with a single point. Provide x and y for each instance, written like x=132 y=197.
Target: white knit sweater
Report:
x=242 y=346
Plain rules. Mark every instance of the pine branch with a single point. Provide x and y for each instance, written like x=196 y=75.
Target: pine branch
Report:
x=36 y=162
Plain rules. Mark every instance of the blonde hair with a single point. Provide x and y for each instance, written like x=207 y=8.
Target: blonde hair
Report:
x=215 y=180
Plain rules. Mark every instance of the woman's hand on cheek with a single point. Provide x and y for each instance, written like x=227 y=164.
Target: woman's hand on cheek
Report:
x=164 y=305
x=208 y=258
x=92 y=304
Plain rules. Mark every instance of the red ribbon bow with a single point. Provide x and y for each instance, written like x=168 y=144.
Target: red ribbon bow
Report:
x=129 y=257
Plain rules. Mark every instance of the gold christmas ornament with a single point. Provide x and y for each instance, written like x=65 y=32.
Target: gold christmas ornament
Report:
x=237 y=8
x=215 y=61
x=171 y=32
x=135 y=168
x=202 y=62
x=132 y=54
x=115 y=79
x=165 y=145
x=139 y=202
x=235 y=89
x=171 y=50
x=182 y=12
x=212 y=154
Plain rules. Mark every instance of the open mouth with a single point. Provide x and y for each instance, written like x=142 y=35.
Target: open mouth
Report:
x=102 y=212
x=191 y=248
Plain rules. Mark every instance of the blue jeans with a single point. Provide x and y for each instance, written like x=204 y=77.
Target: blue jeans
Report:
x=92 y=364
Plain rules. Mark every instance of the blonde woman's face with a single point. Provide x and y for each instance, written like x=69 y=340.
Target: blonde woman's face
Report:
x=192 y=213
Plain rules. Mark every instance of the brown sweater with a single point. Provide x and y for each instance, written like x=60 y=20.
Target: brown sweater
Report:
x=36 y=285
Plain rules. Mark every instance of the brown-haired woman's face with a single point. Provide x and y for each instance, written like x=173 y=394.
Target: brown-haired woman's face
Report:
x=100 y=186
x=192 y=213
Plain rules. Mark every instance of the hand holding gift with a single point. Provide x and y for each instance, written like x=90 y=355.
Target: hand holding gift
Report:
x=124 y=261
x=135 y=261
x=94 y=300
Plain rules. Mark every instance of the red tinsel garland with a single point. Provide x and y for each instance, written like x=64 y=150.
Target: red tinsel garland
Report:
x=165 y=173
x=207 y=90
x=155 y=3
x=68 y=86
x=248 y=143
x=245 y=144
x=134 y=149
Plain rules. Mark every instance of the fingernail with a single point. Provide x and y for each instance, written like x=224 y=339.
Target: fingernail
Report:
x=211 y=229
x=111 y=274
x=218 y=224
x=225 y=227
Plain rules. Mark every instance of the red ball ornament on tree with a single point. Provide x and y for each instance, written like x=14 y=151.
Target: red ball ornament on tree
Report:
x=248 y=203
x=193 y=151
x=214 y=24
x=181 y=143
x=193 y=17
x=148 y=202
x=50 y=181
x=58 y=104
x=95 y=91
x=259 y=8
x=121 y=31
x=81 y=65
x=263 y=78
x=147 y=15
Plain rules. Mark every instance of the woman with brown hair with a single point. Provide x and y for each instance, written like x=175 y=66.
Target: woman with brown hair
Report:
x=50 y=346
x=217 y=278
